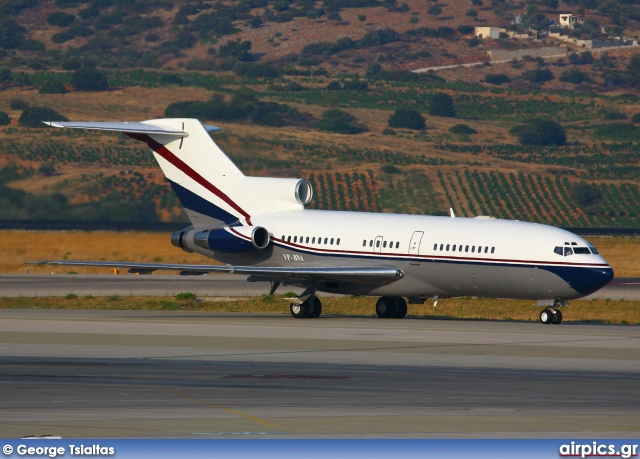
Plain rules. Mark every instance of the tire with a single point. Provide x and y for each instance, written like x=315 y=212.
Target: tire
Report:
x=316 y=309
x=298 y=311
x=401 y=307
x=385 y=307
x=546 y=316
x=557 y=317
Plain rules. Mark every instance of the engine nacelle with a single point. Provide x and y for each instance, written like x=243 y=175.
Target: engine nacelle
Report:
x=179 y=239
x=237 y=239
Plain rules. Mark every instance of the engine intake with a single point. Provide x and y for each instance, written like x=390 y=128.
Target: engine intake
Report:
x=237 y=239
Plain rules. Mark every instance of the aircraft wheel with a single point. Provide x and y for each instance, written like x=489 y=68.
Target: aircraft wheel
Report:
x=557 y=317
x=401 y=306
x=546 y=316
x=298 y=311
x=386 y=307
x=316 y=307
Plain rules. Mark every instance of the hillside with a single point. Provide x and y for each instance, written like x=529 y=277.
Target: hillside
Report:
x=267 y=72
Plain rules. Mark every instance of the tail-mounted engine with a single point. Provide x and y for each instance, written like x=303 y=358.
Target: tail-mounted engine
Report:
x=236 y=239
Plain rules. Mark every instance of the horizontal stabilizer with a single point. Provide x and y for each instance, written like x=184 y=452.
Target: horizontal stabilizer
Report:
x=365 y=275
x=127 y=127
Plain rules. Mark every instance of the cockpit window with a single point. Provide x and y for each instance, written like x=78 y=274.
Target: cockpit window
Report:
x=558 y=250
x=568 y=251
x=593 y=250
x=581 y=251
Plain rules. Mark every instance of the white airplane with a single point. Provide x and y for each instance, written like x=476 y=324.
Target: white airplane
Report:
x=260 y=228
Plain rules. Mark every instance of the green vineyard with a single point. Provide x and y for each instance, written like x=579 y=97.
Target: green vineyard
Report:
x=539 y=199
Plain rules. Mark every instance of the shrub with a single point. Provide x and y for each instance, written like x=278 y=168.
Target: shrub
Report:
x=465 y=29
x=169 y=305
x=390 y=169
x=496 y=78
x=34 y=116
x=388 y=131
x=538 y=75
x=338 y=121
x=442 y=105
x=250 y=69
x=540 y=132
x=587 y=196
x=186 y=296
x=334 y=86
x=356 y=85
x=635 y=118
x=407 y=118
x=52 y=87
x=89 y=79
x=573 y=76
x=236 y=49
x=18 y=103
x=47 y=169
x=71 y=296
x=613 y=115
x=4 y=119
x=462 y=129
x=60 y=19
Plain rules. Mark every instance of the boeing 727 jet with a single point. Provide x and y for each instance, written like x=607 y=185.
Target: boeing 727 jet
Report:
x=259 y=227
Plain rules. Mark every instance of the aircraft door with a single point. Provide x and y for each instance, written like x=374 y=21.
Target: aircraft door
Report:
x=414 y=245
x=377 y=244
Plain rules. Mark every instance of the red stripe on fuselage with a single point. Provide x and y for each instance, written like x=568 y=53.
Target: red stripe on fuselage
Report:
x=186 y=169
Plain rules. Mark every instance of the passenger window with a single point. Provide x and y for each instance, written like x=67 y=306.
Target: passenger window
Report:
x=397 y=245
x=370 y=243
x=435 y=246
x=453 y=248
x=295 y=238
x=447 y=247
x=288 y=238
x=568 y=251
x=326 y=239
x=479 y=249
x=384 y=244
x=486 y=249
x=313 y=241
x=377 y=244
x=338 y=241
x=473 y=249
x=307 y=241
x=466 y=249
x=364 y=243
x=391 y=245
x=493 y=249
x=441 y=247
x=331 y=241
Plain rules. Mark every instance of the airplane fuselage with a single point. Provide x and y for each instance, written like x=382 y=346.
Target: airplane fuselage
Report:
x=440 y=256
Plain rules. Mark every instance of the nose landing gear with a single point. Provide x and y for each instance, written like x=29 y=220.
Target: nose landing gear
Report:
x=551 y=316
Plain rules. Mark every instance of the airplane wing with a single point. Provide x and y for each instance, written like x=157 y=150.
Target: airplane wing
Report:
x=285 y=275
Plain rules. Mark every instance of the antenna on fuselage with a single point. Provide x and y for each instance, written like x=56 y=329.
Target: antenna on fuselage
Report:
x=451 y=212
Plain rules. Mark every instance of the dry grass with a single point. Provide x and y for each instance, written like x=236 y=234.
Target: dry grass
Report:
x=16 y=247
x=595 y=311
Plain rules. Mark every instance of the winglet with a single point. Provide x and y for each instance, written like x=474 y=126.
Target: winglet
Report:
x=451 y=212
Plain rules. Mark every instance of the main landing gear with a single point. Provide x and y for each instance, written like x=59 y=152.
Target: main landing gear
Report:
x=309 y=309
x=389 y=307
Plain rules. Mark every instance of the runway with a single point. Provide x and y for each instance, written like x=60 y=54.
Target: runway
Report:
x=211 y=375
x=220 y=285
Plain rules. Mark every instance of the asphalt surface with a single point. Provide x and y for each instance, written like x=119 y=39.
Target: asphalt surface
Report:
x=210 y=375
x=217 y=285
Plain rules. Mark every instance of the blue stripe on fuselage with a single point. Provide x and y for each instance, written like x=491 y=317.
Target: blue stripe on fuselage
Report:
x=192 y=201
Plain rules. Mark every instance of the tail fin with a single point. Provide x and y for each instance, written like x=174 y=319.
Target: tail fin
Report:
x=211 y=188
